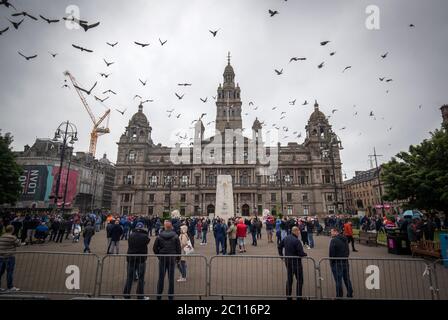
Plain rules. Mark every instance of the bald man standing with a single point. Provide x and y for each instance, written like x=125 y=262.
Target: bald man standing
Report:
x=293 y=248
x=167 y=243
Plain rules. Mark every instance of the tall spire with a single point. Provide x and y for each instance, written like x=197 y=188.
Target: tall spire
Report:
x=228 y=58
x=316 y=105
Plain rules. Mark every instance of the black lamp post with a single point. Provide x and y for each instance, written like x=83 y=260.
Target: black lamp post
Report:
x=68 y=132
x=67 y=176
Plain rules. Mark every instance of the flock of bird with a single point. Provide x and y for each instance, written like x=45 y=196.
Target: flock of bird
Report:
x=86 y=26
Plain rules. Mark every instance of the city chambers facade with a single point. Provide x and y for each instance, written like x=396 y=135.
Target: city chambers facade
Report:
x=305 y=180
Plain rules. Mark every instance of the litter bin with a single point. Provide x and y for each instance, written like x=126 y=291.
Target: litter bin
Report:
x=397 y=242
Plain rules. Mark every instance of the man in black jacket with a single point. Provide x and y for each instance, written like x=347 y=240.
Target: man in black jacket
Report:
x=293 y=248
x=167 y=243
x=116 y=231
x=137 y=245
x=340 y=267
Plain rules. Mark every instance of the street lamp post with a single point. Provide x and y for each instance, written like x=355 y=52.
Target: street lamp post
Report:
x=67 y=177
x=65 y=130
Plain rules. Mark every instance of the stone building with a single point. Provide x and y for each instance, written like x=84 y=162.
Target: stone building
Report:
x=150 y=181
x=89 y=181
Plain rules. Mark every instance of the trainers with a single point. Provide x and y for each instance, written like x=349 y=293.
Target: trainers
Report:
x=13 y=289
x=181 y=280
x=2 y=290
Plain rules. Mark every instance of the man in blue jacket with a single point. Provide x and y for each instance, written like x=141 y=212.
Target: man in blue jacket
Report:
x=293 y=248
x=220 y=235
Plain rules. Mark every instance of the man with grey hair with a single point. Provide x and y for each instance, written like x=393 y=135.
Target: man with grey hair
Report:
x=167 y=246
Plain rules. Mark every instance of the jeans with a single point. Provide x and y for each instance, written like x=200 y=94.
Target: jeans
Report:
x=311 y=239
x=182 y=265
x=136 y=265
x=87 y=244
x=204 y=236
x=304 y=235
x=53 y=235
x=97 y=227
x=350 y=239
x=294 y=268
x=219 y=241
x=254 y=238
x=7 y=264
x=125 y=234
x=278 y=234
x=232 y=246
x=60 y=235
x=113 y=246
x=283 y=234
x=166 y=264
x=341 y=271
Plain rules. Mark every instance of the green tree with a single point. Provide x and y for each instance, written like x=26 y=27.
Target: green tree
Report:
x=420 y=175
x=10 y=172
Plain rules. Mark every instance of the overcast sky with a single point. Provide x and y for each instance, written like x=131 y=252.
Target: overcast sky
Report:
x=33 y=104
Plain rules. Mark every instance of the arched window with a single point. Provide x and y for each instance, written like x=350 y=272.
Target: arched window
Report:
x=244 y=178
x=287 y=178
x=184 y=179
x=326 y=178
x=303 y=178
x=132 y=156
x=153 y=180
x=128 y=178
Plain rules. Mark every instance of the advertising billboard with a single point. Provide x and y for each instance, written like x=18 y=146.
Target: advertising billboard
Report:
x=39 y=184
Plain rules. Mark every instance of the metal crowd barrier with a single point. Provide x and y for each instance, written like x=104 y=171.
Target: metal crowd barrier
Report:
x=403 y=279
x=259 y=276
x=114 y=272
x=440 y=272
x=54 y=274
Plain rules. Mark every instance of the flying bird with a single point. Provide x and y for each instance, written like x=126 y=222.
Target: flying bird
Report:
x=105 y=75
x=305 y=103
x=7 y=4
x=343 y=128
x=89 y=91
x=184 y=84
x=65 y=86
x=74 y=20
x=178 y=116
x=332 y=53
x=251 y=103
x=81 y=48
x=321 y=65
x=178 y=96
x=411 y=26
x=147 y=100
x=323 y=43
x=296 y=59
x=162 y=42
x=214 y=97
x=346 y=68
x=143 y=83
x=334 y=110
x=141 y=44
x=27 y=58
x=25 y=14
x=202 y=115
x=214 y=32
x=4 y=30
x=137 y=96
x=389 y=80
x=274 y=108
x=16 y=24
x=272 y=13
x=49 y=20
x=53 y=54
x=278 y=72
x=109 y=91
x=384 y=55
x=102 y=100
x=203 y=100
x=112 y=44
x=371 y=114
x=122 y=112
x=86 y=27
x=382 y=79
x=293 y=102
x=108 y=63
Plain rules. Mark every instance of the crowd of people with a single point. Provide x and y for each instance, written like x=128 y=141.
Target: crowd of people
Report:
x=175 y=239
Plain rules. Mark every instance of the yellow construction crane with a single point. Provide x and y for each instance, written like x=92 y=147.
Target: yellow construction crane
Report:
x=97 y=130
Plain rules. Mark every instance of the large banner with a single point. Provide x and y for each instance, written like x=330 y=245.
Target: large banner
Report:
x=39 y=183
x=34 y=183
x=69 y=181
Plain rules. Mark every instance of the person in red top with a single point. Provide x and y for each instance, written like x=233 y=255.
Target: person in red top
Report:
x=348 y=233
x=241 y=232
